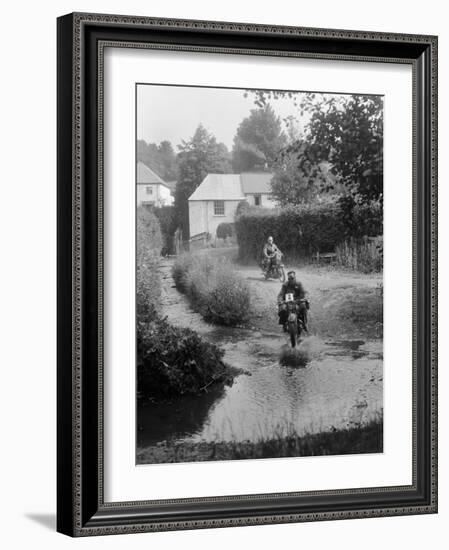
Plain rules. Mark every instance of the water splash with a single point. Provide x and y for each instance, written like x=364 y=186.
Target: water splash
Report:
x=294 y=357
x=312 y=345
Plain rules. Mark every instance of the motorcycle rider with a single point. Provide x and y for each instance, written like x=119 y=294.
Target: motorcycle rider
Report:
x=291 y=286
x=271 y=254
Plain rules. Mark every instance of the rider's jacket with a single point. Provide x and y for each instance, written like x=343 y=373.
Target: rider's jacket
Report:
x=288 y=288
x=270 y=250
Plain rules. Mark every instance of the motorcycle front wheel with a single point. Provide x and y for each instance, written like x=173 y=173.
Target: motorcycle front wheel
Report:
x=293 y=333
x=281 y=273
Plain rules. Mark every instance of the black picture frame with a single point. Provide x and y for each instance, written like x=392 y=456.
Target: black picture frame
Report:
x=81 y=509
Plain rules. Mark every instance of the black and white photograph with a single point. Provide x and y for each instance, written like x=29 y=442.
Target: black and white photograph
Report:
x=221 y=306
x=259 y=313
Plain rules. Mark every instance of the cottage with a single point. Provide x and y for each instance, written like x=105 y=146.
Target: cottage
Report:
x=216 y=199
x=257 y=189
x=151 y=189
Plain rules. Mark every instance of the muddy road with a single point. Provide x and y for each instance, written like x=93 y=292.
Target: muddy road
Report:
x=338 y=384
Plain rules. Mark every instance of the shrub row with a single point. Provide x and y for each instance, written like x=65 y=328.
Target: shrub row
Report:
x=171 y=361
x=303 y=230
x=215 y=290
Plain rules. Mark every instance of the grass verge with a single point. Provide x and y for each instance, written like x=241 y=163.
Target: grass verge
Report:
x=355 y=440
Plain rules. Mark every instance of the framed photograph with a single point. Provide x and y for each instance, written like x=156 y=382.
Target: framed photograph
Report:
x=247 y=278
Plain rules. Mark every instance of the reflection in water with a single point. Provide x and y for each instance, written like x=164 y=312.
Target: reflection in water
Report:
x=175 y=420
x=339 y=384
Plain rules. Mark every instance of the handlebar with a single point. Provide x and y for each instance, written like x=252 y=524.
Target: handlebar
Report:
x=297 y=301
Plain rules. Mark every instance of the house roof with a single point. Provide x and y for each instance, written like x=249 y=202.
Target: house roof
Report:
x=234 y=187
x=219 y=187
x=256 y=182
x=145 y=175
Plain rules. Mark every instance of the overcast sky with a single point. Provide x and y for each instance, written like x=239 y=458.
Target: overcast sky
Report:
x=173 y=112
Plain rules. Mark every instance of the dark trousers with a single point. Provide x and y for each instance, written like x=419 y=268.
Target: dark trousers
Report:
x=269 y=263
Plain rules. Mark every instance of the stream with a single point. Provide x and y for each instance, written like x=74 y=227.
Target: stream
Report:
x=339 y=384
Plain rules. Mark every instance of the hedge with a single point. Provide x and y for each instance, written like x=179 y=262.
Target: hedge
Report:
x=149 y=243
x=303 y=230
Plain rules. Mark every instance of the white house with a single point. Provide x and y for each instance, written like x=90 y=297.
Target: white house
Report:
x=151 y=189
x=216 y=199
x=256 y=188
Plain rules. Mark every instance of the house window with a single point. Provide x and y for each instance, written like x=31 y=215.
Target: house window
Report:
x=219 y=208
x=257 y=200
x=149 y=190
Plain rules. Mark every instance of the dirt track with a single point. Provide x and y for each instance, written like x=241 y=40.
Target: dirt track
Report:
x=344 y=304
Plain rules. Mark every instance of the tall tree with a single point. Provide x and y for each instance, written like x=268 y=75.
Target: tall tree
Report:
x=295 y=180
x=258 y=140
x=345 y=131
x=168 y=160
x=160 y=158
x=199 y=156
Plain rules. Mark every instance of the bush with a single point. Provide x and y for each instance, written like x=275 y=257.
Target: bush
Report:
x=215 y=290
x=228 y=301
x=302 y=230
x=174 y=361
x=225 y=230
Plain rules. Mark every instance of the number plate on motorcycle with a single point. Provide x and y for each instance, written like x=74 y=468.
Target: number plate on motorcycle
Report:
x=289 y=297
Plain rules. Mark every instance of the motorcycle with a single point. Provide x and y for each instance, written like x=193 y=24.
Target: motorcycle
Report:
x=272 y=268
x=295 y=324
